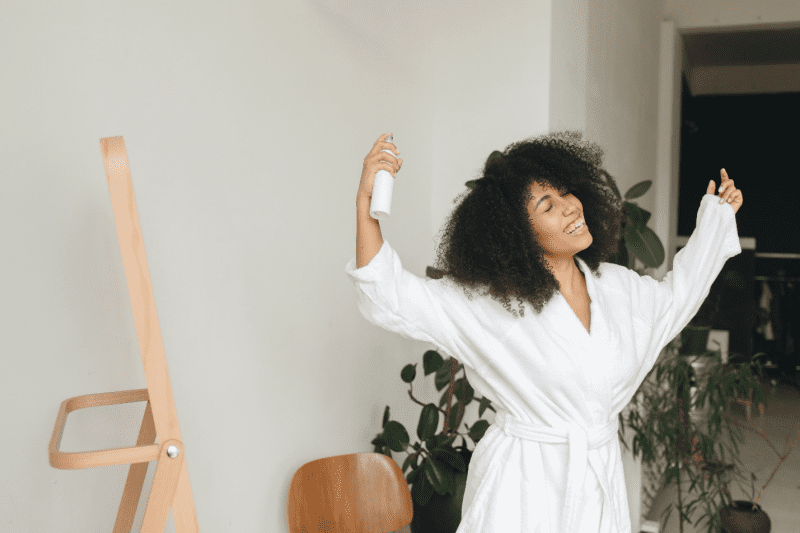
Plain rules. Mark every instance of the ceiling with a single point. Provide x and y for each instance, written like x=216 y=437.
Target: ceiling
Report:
x=745 y=61
x=752 y=47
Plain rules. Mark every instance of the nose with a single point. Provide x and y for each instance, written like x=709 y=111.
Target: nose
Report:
x=570 y=207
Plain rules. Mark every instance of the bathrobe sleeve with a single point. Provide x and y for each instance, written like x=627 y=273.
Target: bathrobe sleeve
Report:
x=663 y=308
x=422 y=309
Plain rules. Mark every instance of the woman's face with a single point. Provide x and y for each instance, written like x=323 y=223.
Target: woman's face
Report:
x=552 y=215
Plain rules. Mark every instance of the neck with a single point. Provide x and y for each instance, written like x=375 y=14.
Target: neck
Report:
x=566 y=271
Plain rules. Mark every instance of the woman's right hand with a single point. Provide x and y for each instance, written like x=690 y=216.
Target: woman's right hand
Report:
x=376 y=160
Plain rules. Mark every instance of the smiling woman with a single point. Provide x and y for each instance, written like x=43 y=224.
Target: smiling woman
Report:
x=560 y=378
x=508 y=234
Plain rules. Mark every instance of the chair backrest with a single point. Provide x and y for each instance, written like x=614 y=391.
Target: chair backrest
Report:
x=354 y=493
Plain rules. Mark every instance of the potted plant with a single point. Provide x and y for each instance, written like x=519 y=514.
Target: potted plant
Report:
x=438 y=470
x=663 y=425
x=747 y=515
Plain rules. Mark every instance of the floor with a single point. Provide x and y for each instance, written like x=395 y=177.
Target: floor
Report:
x=781 y=499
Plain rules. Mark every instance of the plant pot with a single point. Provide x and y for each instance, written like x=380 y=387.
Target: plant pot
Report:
x=694 y=340
x=442 y=513
x=741 y=519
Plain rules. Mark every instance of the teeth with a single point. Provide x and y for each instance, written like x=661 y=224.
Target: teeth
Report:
x=577 y=227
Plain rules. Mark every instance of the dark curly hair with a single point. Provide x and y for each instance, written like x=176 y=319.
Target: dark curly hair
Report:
x=489 y=240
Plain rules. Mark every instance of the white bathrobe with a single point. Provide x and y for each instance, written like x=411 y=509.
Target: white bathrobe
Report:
x=551 y=462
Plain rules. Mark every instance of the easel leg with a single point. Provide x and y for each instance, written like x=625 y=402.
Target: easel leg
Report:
x=165 y=484
x=136 y=475
x=183 y=510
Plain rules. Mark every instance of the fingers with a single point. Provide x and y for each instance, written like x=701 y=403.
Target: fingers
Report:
x=383 y=145
x=729 y=195
x=391 y=163
x=727 y=190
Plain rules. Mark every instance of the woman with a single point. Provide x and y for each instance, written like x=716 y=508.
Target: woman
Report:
x=560 y=377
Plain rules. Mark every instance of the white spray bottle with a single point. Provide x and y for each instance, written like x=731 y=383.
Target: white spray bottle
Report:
x=381 y=205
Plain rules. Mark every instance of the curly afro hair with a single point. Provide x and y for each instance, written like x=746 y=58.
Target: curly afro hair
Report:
x=489 y=241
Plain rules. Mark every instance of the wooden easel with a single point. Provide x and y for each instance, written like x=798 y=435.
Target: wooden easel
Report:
x=171 y=488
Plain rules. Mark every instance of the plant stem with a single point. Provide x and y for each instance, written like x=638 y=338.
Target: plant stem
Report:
x=420 y=403
x=680 y=501
x=450 y=387
x=782 y=457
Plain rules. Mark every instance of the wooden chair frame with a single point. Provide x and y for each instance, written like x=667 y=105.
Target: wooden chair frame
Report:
x=171 y=488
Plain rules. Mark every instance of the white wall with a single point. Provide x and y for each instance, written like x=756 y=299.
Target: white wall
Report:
x=246 y=125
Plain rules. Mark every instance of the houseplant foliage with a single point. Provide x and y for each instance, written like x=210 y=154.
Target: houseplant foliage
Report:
x=438 y=470
x=694 y=446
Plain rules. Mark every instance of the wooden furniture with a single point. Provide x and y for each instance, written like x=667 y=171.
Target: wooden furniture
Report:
x=355 y=493
x=171 y=488
x=747 y=404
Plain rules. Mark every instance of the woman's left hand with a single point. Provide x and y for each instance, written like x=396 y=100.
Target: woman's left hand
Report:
x=727 y=191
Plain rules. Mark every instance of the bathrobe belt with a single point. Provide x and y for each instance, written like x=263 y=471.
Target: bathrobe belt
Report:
x=580 y=442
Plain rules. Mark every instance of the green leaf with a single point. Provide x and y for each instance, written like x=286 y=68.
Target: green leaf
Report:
x=472 y=184
x=485 y=402
x=434 y=273
x=428 y=422
x=494 y=155
x=443 y=399
x=385 y=416
x=409 y=462
x=639 y=189
x=414 y=475
x=452 y=458
x=478 y=429
x=463 y=391
x=444 y=440
x=442 y=379
x=422 y=490
x=431 y=443
x=396 y=436
x=439 y=475
x=643 y=243
x=431 y=361
x=408 y=373
x=636 y=215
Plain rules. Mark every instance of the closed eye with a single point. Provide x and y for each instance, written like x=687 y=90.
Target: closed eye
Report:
x=551 y=205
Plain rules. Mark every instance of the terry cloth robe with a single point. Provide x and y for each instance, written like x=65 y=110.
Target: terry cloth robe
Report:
x=551 y=461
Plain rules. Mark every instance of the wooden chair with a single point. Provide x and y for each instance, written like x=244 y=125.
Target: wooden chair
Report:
x=171 y=488
x=747 y=404
x=355 y=493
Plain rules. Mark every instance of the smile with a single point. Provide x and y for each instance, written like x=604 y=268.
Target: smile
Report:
x=579 y=229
